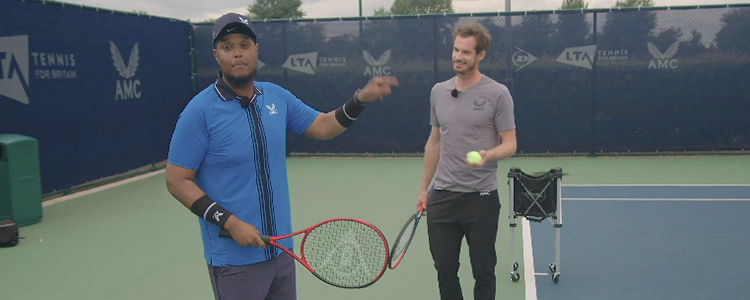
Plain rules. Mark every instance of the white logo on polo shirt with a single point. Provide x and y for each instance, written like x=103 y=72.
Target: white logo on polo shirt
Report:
x=272 y=108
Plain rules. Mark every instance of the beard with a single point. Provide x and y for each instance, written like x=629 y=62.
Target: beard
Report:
x=241 y=80
x=468 y=67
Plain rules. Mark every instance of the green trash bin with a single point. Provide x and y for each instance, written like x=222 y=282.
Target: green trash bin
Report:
x=20 y=182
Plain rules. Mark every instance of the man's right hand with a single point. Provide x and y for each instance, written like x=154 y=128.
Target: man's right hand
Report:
x=244 y=233
x=423 y=197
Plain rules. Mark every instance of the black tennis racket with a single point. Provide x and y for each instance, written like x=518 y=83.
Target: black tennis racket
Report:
x=406 y=235
x=345 y=253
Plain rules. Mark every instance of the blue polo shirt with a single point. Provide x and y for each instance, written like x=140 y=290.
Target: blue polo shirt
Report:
x=240 y=155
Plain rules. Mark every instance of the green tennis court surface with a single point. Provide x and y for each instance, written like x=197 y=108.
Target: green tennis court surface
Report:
x=135 y=241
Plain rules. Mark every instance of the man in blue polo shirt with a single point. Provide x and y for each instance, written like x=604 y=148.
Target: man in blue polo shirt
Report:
x=227 y=164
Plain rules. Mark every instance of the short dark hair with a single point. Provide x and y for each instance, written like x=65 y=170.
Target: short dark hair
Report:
x=479 y=32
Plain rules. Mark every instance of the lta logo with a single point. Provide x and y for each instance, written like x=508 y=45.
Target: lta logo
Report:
x=127 y=88
x=14 y=67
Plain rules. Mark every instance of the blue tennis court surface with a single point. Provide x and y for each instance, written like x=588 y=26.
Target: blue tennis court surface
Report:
x=645 y=242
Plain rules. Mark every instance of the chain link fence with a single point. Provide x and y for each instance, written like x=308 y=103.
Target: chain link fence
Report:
x=584 y=81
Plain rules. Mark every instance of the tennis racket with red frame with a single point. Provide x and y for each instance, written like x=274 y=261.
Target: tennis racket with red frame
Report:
x=406 y=235
x=343 y=252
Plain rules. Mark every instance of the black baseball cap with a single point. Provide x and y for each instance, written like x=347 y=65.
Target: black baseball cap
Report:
x=233 y=23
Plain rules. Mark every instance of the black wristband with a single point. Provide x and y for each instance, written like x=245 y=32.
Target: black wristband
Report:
x=211 y=211
x=348 y=113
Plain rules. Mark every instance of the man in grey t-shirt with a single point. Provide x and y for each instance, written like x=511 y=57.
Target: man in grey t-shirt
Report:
x=469 y=112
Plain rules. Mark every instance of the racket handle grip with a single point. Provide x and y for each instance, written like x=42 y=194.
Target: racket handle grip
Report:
x=225 y=234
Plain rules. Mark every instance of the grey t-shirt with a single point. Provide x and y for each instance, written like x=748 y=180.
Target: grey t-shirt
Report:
x=469 y=122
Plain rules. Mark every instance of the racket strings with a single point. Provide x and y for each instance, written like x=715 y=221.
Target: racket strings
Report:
x=345 y=253
x=404 y=239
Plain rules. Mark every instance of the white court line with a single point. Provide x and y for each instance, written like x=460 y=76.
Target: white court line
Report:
x=528 y=261
x=101 y=188
x=657 y=184
x=529 y=274
x=656 y=199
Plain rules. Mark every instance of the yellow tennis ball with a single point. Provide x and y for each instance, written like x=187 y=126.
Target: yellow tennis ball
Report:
x=473 y=157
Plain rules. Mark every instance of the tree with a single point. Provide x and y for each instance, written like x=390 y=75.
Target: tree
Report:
x=413 y=7
x=535 y=34
x=732 y=37
x=629 y=29
x=209 y=20
x=381 y=11
x=694 y=45
x=574 y=4
x=275 y=9
x=382 y=35
x=572 y=28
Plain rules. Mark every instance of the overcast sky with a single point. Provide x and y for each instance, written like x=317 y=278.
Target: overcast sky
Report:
x=199 y=10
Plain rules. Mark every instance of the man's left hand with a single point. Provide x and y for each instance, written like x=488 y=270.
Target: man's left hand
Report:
x=378 y=88
x=483 y=154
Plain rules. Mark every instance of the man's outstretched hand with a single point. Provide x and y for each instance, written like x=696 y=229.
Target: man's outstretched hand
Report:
x=378 y=88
